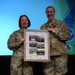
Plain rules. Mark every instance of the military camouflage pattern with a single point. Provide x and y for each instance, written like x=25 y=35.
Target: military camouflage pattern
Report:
x=57 y=40
x=18 y=66
x=57 y=65
x=58 y=48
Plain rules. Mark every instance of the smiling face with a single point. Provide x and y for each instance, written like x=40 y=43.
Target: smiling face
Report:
x=24 y=22
x=50 y=13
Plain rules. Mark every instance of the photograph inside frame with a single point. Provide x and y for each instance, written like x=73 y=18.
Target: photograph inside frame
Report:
x=36 y=45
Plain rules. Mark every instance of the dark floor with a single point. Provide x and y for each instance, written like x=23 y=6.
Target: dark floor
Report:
x=5 y=66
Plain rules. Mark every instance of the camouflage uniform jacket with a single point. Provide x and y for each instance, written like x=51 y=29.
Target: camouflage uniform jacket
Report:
x=14 y=42
x=57 y=39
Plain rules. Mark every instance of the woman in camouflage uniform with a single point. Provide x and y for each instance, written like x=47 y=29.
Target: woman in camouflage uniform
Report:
x=15 y=43
x=59 y=33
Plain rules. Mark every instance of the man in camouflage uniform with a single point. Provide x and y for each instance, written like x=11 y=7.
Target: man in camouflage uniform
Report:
x=59 y=33
x=15 y=43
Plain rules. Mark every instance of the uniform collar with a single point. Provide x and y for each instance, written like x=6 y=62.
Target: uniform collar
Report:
x=22 y=30
x=51 y=25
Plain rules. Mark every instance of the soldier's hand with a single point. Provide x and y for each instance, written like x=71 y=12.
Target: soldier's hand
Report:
x=51 y=30
x=22 y=40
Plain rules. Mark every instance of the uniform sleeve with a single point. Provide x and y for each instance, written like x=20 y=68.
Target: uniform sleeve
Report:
x=42 y=27
x=63 y=32
x=12 y=43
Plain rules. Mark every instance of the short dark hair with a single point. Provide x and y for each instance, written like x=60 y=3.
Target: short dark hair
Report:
x=29 y=23
x=50 y=7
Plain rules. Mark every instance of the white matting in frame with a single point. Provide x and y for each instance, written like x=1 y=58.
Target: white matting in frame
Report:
x=36 y=45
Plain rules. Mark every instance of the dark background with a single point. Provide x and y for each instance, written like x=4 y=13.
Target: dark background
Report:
x=5 y=66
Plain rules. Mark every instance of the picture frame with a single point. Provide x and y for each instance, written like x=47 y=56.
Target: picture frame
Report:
x=37 y=45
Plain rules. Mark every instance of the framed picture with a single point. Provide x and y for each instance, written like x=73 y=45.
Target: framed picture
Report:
x=36 y=45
